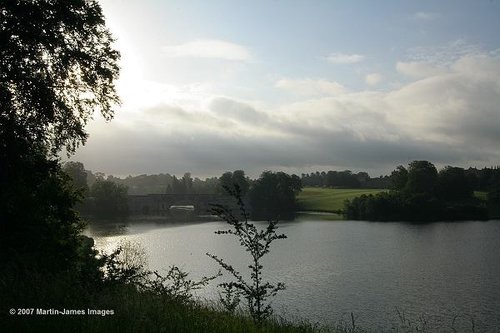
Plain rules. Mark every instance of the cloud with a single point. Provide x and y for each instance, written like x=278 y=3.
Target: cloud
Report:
x=478 y=67
x=343 y=58
x=209 y=48
x=426 y=16
x=231 y=109
x=450 y=117
x=418 y=69
x=373 y=79
x=310 y=87
x=443 y=55
x=458 y=107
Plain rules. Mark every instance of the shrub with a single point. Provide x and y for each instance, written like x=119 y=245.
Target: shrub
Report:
x=257 y=243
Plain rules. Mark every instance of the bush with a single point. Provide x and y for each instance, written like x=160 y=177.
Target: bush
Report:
x=256 y=243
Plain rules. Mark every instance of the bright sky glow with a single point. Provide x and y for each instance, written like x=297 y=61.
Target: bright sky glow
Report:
x=212 y=86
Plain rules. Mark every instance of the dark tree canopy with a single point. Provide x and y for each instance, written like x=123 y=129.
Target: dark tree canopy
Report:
x=422 y=177
x=78 y=175
x=57 y=66
x=272 y=196
x=420 y=194
x=399 y=177
x=453 y=184
x=229 y=180
x=343 y=179
x=108 y=199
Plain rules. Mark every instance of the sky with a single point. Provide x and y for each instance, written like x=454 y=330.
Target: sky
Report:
x=300 y=86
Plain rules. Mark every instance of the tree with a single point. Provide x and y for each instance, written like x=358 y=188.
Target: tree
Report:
x=108 y=199
x=241 y=181
x=257 y=243
x=272 y=196
x=178 y=186
x=187 y=182
x=453 y=184
x=363 y=178
x=399 y=177
x=229 y=180
x=78 y=175
x=420 y=195
x=422 y=177
x=494 y=192
x=225 y=181
x=57 y=66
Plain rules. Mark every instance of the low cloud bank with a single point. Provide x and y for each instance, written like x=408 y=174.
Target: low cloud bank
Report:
x=448 y=114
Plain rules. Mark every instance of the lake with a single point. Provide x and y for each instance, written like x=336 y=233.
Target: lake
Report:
x=446 y=274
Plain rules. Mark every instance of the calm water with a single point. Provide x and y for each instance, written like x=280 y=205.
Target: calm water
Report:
x=435 y=271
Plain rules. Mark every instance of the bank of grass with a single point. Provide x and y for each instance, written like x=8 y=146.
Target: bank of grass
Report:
x=133 y=311
x=329 y=200
x=481 y=195
x=493 y=209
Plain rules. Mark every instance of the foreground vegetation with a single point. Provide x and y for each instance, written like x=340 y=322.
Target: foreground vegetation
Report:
x=133 y=310
x=147 y=311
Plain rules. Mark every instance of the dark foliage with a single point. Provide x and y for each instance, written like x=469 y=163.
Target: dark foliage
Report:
x=38 y=223
x=56 y=67
x=420 y=194
x=78 y=176
x=163 y=183
x=453 y=184
x=343 y=179
x=107 y=200
x=272 y=196
x=399 y=178
x=176 y=284
x=230 y=179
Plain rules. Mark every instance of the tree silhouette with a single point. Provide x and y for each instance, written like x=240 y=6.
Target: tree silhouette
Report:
x=78 y=175
x=57 y=66
x=257 y=243
x=422 y=178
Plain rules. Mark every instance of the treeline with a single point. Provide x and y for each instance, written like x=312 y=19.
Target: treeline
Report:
x=484 y=180
x=271 y=196
x=479 y=179
x=344 y=179
x=166 y=183
x=100 y=197
x=106 y=196
x=421 y=193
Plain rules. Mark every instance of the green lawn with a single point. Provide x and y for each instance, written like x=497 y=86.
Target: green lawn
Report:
x=328 y=199
x=481 y=195
x=332 y=200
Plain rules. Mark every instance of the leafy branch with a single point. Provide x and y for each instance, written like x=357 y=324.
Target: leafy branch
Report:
x=257 y=243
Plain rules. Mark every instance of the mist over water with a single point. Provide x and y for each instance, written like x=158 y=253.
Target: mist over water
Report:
x=435 y=271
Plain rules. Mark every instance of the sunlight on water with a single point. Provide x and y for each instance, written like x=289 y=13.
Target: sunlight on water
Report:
x=333 y=268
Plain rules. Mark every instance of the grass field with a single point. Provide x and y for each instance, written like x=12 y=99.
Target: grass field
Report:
x=332 y=200
x=481 y=195
x=328 y=199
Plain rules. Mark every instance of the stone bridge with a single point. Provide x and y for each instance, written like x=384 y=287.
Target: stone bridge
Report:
x=159 y=204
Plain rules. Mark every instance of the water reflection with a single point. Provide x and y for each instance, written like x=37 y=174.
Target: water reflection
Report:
x=332 y=268
x=107 y=229
x=131 y=226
